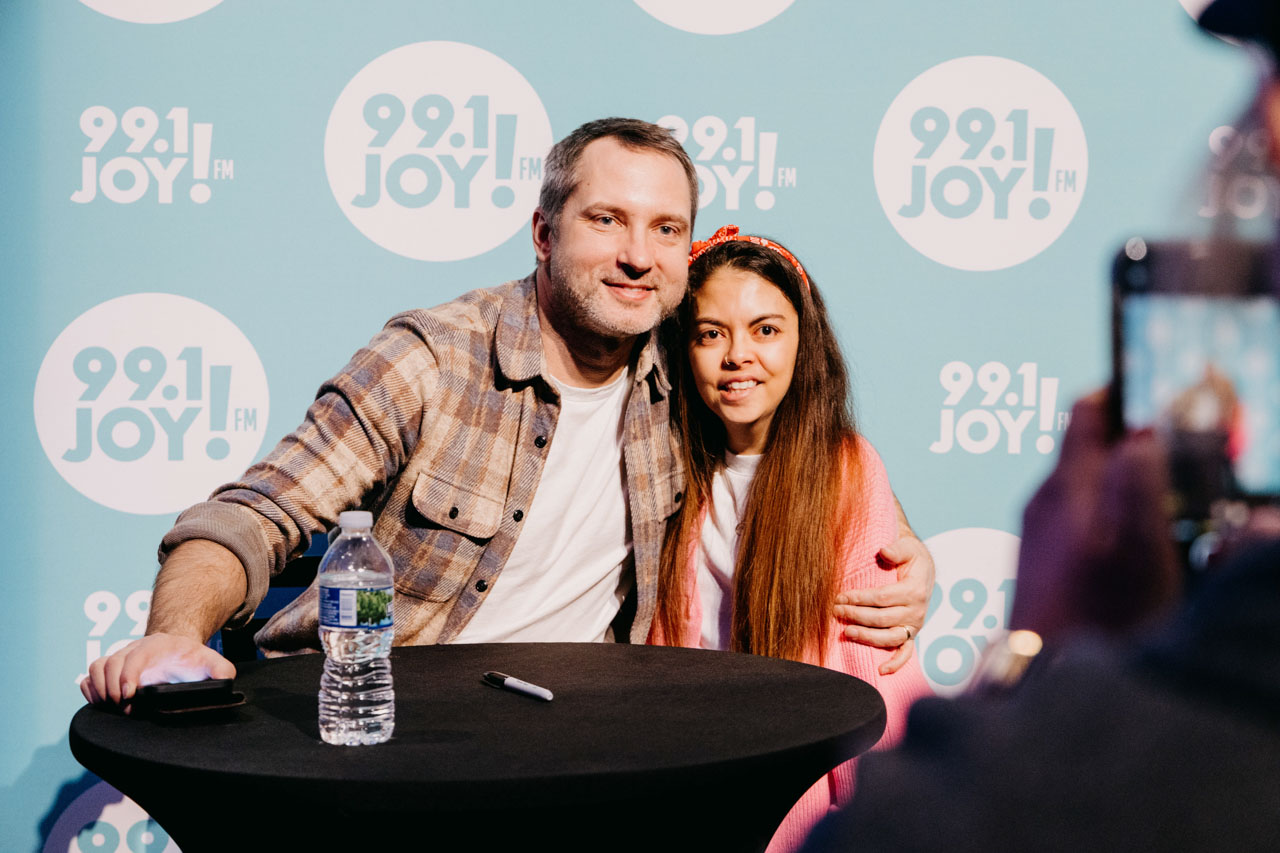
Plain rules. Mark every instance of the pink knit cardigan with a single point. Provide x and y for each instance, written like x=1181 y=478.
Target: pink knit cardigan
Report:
x=874 y=527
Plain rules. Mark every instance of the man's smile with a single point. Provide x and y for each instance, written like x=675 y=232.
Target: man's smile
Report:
x=630 y=290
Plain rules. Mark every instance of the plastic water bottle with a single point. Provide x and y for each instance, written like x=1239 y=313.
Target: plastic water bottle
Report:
x=357 y=703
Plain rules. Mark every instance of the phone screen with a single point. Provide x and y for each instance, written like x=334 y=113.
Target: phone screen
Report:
x=1207 y=365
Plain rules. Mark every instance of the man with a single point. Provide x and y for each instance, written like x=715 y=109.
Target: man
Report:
x=1121 y=735
x=520 y=432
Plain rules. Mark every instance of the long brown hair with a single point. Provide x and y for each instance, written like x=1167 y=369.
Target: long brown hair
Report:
x=785 y=570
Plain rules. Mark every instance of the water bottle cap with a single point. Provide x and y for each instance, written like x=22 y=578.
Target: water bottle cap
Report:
x=354 y=519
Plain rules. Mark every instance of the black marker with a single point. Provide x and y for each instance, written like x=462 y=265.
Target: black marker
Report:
x=506 y=682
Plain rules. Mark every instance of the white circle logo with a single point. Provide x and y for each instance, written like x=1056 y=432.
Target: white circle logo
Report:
x=103 y=820
x=151 y=11
x=1194 y=8
x=146 y=402
x=434 y=151
x=973 y=593
x=714 y=17
x=980 y=163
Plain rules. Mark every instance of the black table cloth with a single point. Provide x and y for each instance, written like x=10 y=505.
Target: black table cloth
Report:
x=642 y=748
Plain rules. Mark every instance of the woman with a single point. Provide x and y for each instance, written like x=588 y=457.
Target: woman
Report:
x=786 y=503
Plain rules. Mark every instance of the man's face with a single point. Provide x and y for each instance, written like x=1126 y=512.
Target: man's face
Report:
x=617 y=260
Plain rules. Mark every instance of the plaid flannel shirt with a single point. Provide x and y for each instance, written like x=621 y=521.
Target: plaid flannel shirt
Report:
x=440 y=426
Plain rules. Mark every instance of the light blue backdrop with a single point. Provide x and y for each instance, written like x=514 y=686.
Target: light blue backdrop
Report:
x=253 y=91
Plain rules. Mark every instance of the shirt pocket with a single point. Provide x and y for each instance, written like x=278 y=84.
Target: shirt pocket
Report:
x=457 y=507
x=451 y=526
x=668 y=493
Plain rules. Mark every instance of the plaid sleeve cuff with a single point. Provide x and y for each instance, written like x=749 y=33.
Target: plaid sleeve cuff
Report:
x=232 y=527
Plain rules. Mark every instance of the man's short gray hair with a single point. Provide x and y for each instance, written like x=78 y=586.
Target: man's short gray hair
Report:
x=560 y=170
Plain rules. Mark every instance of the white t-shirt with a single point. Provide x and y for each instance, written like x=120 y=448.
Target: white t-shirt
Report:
x=719 y=546
x=564 y=581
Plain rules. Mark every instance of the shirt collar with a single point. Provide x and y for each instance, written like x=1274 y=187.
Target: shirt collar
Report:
x=519 y=340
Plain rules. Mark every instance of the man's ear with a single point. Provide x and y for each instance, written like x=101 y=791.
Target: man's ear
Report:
x=1271 y=120
x=541 y=227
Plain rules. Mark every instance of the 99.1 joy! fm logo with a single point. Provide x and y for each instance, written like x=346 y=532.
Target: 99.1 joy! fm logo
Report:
x=969 y=605
x=736 y=164
x=1240 y=182
x=996 y=407
x=146 y=402
x=102 y=820
x=980 y=163
x=434 y=150
x=156 y=153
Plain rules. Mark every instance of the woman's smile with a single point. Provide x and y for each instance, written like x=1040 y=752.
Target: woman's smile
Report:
x=742 y=352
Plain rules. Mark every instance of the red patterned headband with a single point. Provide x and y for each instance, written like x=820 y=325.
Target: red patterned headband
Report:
x=729 y=234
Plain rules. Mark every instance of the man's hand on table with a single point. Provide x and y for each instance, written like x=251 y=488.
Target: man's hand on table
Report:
x=891 y=616
x=154 y=659
x=198 y=589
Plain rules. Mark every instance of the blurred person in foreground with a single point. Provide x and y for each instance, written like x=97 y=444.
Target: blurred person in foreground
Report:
x=1144 y=721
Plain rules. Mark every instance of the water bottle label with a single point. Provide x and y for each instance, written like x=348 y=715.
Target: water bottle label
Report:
x=355 y=608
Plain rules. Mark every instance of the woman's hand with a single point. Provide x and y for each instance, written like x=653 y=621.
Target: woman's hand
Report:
x=891 y=616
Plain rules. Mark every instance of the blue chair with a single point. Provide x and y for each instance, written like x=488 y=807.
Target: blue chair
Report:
x=236 y=644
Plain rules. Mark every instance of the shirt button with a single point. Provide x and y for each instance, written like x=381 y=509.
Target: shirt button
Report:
x=540 y=441
x=482 y=585
x=517 y=515
x=453 y=513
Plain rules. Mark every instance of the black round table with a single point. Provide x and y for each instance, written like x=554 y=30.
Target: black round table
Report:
x=643 y=748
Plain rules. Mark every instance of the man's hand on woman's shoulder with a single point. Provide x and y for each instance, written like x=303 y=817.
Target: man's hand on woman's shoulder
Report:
x=891 y=616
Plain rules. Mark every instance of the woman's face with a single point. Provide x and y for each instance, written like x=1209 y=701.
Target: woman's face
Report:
x=742 y=349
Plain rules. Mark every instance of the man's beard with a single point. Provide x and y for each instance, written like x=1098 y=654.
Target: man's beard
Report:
x=583 y=304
